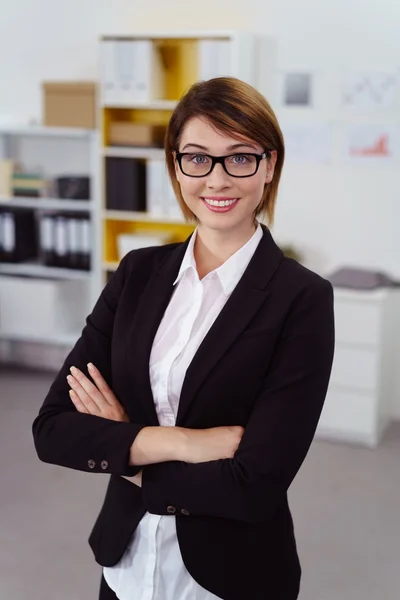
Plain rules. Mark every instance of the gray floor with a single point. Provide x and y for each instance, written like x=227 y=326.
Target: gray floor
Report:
x=345 y=503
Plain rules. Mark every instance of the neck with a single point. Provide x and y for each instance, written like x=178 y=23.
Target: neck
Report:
x=212 y=248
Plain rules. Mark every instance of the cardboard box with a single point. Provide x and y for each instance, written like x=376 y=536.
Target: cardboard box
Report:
x=69 y=104
x=123 y=133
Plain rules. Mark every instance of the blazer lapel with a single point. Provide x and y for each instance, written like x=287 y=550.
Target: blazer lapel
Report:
x=245 y=301
x=152 y=305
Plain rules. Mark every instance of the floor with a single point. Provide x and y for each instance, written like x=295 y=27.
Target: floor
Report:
x=345 y=503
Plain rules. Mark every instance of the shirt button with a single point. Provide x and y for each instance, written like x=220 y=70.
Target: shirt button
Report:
x=185 y=512
x=170 y=420
x=171 y=510
x=91 y=464
x=104 y=464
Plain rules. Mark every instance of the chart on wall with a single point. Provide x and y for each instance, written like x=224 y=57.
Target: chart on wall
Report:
x=370 y=90
x=372 y=143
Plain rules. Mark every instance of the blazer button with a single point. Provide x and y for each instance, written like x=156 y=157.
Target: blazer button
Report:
x=185 y=512
x=91 y=464
x=104 y=464
x=171 y=510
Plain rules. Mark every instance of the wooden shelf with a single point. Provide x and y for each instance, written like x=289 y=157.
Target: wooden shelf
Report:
x=153 y=105
x=176 y=35
x=134 y=152
x=46 y=203
x=121 y=215
x=37 y=270
x=43 y=131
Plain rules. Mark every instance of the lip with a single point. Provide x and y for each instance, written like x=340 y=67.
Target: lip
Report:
x=219 y=209
x=220 y=198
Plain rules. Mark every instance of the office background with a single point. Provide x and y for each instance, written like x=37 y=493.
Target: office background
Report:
x=336 y=207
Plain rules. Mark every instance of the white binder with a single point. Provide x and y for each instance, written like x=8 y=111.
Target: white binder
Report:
x=214 y=59
x=155 y=170
x=131 y=72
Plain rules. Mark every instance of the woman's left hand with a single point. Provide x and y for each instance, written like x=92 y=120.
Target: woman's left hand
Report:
x=98 y=399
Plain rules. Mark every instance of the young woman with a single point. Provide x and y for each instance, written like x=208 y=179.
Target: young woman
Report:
x=200 y=376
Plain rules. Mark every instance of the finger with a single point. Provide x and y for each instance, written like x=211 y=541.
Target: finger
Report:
x=101 y=384
x=83 y=396
x=91 y=390
x=77 y=403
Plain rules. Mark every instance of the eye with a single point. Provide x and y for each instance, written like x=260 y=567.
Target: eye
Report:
x=240 y=159
x=197 y=159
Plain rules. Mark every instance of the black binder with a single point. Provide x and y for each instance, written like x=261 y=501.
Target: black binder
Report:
x=125 y=184
x=18 y=235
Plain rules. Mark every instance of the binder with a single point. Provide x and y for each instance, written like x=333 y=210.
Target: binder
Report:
x=131 y=71
x=155 y=187
x=60 y=241
x=125 y=184
x=74 y=261
x=214 y=59
x=47 y=242
x=148 y=72
x=85 y=242
x=109 y=87
x=18 y=235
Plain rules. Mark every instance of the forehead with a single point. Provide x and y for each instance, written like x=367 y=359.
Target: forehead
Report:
x=200 y=131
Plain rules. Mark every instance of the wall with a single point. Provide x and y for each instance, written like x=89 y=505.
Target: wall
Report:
x=334 y=214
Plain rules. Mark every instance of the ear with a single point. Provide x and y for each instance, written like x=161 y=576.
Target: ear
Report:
x=271 y=162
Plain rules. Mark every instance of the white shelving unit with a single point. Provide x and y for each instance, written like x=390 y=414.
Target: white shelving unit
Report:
x=134 y=152
x=47 y=204
x=38 y=278
x=178 y=59
x=30 y=269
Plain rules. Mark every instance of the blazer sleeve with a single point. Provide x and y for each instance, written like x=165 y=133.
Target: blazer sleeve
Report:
x=62 y=435
x=277 y=437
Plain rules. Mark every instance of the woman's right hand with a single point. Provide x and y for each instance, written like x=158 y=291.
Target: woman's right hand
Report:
x=203 y=445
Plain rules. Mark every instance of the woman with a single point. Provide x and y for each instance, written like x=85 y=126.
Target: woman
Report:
x=212 y=360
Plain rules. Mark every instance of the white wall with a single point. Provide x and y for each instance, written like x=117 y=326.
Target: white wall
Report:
x=335 y=214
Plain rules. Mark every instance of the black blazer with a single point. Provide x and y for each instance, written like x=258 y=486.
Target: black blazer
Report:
x=265 y=365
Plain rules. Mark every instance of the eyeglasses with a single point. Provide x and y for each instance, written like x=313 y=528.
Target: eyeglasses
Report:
x=236 y=165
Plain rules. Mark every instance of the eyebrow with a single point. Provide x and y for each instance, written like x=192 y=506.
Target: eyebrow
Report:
x=231 y=147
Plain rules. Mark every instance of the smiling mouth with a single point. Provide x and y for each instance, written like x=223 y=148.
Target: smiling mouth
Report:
x=220 y=203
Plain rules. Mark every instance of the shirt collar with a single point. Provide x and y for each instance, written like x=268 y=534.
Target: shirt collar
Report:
x=232 y=270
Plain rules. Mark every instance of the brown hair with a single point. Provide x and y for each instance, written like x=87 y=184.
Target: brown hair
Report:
x=236 y=108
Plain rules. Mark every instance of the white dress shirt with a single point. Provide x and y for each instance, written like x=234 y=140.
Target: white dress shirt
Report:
x=152 y=566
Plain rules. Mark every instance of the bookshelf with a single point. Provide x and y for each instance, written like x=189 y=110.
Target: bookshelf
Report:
x=142 y=79
x=26 y=286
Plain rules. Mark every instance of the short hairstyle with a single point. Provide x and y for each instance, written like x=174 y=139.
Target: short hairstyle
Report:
x=238 y=109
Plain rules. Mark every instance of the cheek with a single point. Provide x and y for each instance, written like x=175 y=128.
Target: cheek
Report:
x=190 y=186
x=252 y=188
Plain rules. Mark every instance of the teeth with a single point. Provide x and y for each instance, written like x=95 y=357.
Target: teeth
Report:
x=219 y=203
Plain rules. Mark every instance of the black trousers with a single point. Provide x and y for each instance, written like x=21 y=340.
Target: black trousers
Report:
x=106 y=592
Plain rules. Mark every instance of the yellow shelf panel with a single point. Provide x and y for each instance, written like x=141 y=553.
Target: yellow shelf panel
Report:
x=180 y=60
x=146 y=116
x=112 y=229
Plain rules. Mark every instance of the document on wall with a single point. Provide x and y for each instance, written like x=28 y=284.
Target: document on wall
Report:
x=308 y=143
x=371 y=90
x=372 y=144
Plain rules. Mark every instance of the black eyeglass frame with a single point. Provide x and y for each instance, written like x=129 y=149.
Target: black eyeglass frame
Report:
x=221 y=160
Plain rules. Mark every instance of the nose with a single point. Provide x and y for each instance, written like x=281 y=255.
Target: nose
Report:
x=218 y=178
